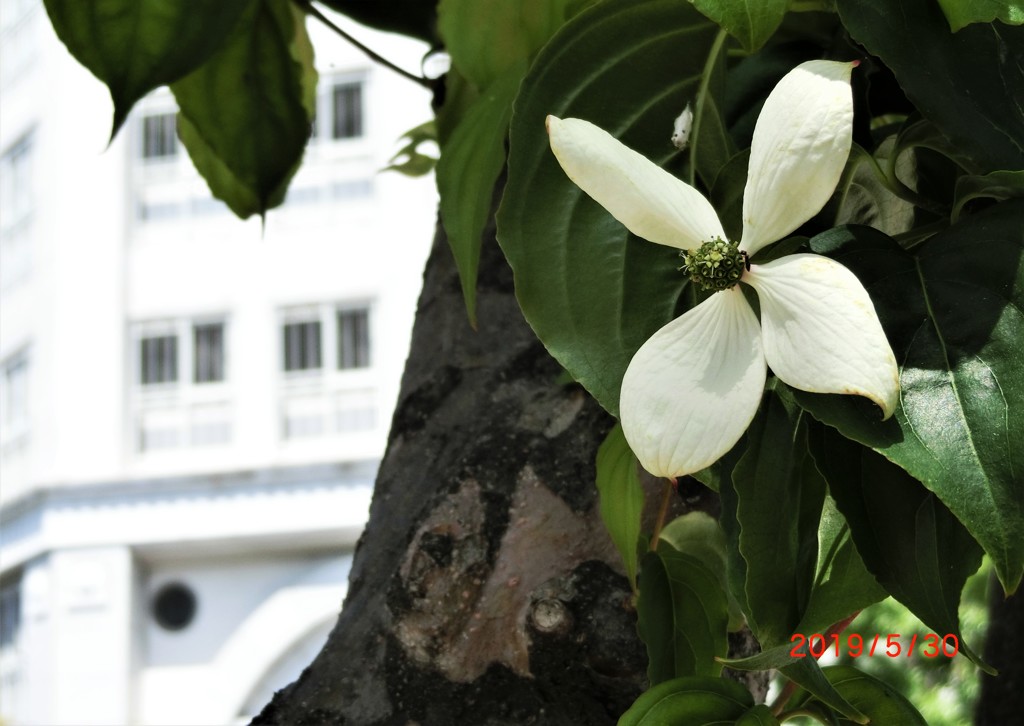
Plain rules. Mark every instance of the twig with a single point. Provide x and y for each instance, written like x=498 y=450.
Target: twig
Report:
x=310 y=9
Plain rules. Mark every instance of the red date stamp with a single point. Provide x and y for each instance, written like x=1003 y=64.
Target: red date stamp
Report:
x=892 y=645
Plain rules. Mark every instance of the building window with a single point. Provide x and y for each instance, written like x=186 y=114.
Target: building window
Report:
x=14 y=395
x=10 y=613
x=353 y=338
x=208 y=352
x=182 y=398
x=159 y=136
x=158 y=360
x=302 y=346
x=338 y=393
x=16 y=207
x=347 y=108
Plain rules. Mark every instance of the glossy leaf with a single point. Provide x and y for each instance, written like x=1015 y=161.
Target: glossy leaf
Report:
x=470 y=163
x=246 y=114
x=621 y=497
x=952 y=312
x=415 y=18
x=911 y=543
x=693 y=701
x=874 y=698
x=751 y=22
x=961 y=14
x=134 y=46
x=591 y=292
x=780 y=495
x=682 y=616
x=961 y=81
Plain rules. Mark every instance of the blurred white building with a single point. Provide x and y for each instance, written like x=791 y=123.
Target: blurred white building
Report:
x=193 y=407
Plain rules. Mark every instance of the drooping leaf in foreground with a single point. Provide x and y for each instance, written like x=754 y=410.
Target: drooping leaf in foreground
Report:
x=491 y=44
x=968 y=83
x=592 y=294
x=954 y=314
x=471 y=160
x=246 y=114
x=134 y=46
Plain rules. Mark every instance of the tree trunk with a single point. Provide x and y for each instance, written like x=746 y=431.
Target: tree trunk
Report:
x=485 y=589
x=1002 y=698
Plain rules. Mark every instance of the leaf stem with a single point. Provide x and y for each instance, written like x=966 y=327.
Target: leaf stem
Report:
x=666 y=497
x=702 y=94
x=311 y=9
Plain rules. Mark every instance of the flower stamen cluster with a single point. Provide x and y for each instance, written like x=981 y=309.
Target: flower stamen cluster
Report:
x=716 y=265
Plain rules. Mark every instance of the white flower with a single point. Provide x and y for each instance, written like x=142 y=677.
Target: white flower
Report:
x=693 y=388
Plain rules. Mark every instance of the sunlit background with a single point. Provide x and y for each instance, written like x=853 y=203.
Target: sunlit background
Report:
x=193 y=407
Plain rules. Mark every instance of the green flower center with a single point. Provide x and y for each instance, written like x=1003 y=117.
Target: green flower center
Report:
x=716 y=265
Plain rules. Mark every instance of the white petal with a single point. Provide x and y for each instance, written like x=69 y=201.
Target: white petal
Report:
x=692 y=389
x=820 y=330
x=652 y=203
x=801 y=142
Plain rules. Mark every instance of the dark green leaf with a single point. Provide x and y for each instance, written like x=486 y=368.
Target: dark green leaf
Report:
x=621 y=497
x=693 y=701
x=953 y=314
x=843 y=585
x=711 y=146
x=998 y=185
x=246 y=114
x=963 y=82
x=682 y=616
x=865 y=198
x=471 y=160
x=591 y=292
x=874 y=698
x=134 y=46
x=409 y=17
x=911 y=543
x=751 y=22
x=780 y=495
x=774 y=658
x=758 y=716
x=807 y=674
x=961 y=14
x=699 y=535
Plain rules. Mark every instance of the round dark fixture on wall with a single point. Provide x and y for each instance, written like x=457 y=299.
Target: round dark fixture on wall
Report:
x=174 y=606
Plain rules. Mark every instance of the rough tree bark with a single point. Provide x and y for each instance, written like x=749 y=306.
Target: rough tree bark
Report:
x=485 y=590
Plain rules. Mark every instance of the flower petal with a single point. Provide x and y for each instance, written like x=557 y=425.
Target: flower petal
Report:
x=692 y=389
x=801 y=142
x=820 y=330
x=652 y=203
